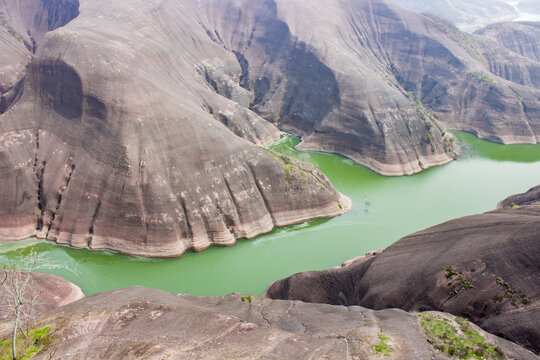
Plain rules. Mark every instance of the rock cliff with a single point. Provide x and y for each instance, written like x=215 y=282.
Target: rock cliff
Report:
x=522 y=38
x=483 y=267
x=137 y=126
x=139 y=323
x=119 y=143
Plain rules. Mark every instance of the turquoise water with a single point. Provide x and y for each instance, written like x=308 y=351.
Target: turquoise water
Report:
x=385 y=209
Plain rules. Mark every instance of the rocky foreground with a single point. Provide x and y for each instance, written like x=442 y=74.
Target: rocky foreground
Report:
x=139 y=323
x=483 y=267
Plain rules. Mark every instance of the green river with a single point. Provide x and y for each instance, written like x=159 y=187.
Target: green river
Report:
x=385 y=209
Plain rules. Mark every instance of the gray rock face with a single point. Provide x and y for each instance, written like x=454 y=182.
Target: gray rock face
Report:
x=522 y=38
x=137 y=127
x=119 y=143
x=22 y=26
x=483 y=267
x=143 y=323
x=530 y=197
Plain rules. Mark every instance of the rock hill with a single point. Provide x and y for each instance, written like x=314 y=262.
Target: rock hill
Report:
x=483 y=267
x=522 y=38
x=137 y=126
x=137 y=323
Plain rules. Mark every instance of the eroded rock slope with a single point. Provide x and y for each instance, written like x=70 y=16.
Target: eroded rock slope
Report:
x=139 y=124
x=139 y=323
x=522 y=38
x=119 y=143
x=484 y=267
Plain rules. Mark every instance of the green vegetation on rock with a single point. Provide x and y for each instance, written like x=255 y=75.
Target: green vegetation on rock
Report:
x=6 y=24
x=482 y=77
x=457 y=338
x=381 y=347
x=28 y=345
x=518 y=95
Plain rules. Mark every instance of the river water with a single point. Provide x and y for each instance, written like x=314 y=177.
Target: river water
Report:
x=385 y=209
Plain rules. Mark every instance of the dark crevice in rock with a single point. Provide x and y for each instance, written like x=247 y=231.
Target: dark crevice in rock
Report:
x=233 y=198
x=189 y=228
x=41 y=202
x=244 y=64
x=92 y=223
x=63 y=188
x=12 y=96
x=210 y=81
x=261 y=192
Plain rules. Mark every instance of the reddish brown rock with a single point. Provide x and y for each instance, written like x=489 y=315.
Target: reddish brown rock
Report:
x=139 y=323
x=140 y=122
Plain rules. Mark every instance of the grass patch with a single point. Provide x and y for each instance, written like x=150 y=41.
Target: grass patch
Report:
x=6 y=24
x=518 y=95
x=450 y=273
x=381 y=347
x=482 y=77
x=465 y=344
x=36 y=341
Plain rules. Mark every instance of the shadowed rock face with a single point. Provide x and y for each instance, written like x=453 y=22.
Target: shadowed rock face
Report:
x=119 y=143
x=144 y=323
x=483 y=267
x=22 y=26
x=137 y=126
x=522 y=38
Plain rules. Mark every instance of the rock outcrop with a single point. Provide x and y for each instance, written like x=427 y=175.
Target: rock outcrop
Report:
x=483 y=267
x=520 y=37
x=139 y=124
x=144 y=323
x=530 y=197
x=119 y=143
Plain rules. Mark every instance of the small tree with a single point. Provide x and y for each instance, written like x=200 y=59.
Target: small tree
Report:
x=18 y=299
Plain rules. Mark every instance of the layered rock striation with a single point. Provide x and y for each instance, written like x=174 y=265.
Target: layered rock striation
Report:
x=483 y=267
x=519 y=37
x=138 y=126
x=119 y=143
x=144 y=323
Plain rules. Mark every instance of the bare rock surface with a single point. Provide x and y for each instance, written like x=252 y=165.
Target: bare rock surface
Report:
x=532 y=196
x=119 y=143
x=144 y=323
x=138 y=125
x=520 y=37
x=483 y=267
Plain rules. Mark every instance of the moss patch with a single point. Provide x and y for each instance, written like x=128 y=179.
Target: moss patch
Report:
x=457 y=339
x=36 y=341
x=482 y=77
x=381 y=347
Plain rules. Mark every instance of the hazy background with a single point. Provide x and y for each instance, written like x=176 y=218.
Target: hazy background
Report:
x=470 y=15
